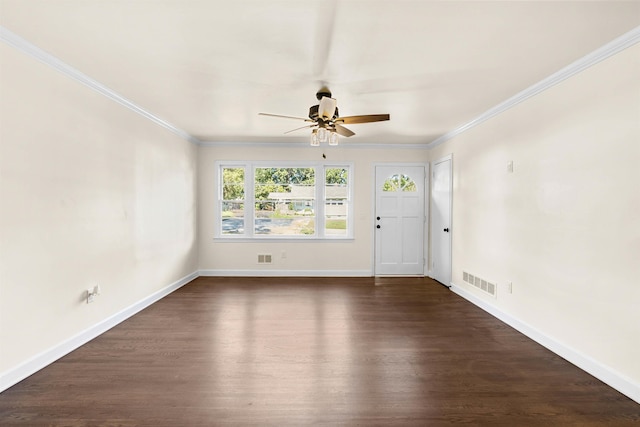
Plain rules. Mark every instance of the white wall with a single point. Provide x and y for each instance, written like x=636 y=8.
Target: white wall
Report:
x=90 y=193
x=564 y=227
x=352 y=257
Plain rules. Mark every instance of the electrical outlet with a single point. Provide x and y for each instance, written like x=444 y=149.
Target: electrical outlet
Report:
x=93 y=293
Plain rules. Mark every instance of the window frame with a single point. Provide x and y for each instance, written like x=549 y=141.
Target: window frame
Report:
x=249 y=234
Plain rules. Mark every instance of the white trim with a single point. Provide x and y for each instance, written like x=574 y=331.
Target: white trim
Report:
x=40 y=361
x=232 y=238
x=448 y=157
x=427 y=219
x=615 y=46
x=443 y=159
x=604 y=373
x=30 y=49
x=285 y=273
x=297 y=144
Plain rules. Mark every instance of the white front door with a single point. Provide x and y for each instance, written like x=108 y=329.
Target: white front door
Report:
x=399 y=220
x=441 y=221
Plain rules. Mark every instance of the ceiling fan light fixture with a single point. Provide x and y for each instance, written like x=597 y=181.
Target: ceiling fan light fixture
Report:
x=333 y=138
x=322 y=134
x=315 y=142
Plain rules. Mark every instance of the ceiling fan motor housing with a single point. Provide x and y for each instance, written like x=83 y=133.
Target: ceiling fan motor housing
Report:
x=313 y=113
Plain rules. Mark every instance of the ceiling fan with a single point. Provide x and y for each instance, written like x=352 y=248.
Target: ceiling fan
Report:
x=326 y=121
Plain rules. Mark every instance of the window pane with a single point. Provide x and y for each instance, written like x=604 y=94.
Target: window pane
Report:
x=284 y=201
x=408 y=184
x=286 y=223
x=232 y=218
x=336 y=193
x=233 y=184
x=335 y=222
x=390 y=185
x=232 y=201
x=399 y=183
x=336 y=176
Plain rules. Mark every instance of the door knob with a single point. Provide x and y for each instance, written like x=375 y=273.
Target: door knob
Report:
x=377 y=226
x=378 y=218
x=446 y=230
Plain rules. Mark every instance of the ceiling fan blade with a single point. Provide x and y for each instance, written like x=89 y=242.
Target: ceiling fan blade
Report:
x=363 y=119
x=303 y=127
x=286 y=117
x=343 y=131
x=327 y=108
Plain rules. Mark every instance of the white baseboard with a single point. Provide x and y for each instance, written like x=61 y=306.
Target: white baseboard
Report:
x=31 y=366
x=286 y=273
x=607 y=375
x=604 y=373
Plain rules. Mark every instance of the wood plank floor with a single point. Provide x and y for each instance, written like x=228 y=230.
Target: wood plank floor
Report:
x=313 y=351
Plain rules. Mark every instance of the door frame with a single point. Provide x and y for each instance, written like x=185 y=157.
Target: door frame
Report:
x=427 y=193
x=452 y=229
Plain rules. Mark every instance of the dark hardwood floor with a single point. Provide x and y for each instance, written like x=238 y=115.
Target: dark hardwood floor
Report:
x=313 y=351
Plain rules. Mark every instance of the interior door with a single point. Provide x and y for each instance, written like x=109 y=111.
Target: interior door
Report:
x=441 y=189
x=399 y=220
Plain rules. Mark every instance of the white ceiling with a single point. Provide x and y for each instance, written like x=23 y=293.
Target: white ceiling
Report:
x=209 y=67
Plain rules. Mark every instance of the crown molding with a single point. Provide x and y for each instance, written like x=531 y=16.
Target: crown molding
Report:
x=24 y=46
x=615 y=46
x=351 y=145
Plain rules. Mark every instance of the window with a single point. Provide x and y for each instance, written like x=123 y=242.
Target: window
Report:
x=301 y=201
x=399 y=182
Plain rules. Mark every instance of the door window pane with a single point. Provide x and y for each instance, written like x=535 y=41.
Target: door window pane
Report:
x=399 y=182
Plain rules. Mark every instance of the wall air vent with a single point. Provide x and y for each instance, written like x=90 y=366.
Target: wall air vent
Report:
x=264 y=258
x=482 y=284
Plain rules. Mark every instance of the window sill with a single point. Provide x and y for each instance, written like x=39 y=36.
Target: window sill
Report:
x=287 y=239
